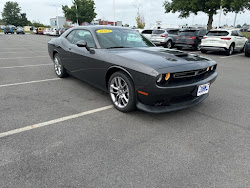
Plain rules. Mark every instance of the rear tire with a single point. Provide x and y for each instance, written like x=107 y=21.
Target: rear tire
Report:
x=230 y=50
x=59 y=68
x=122 y=92
x=168 y=44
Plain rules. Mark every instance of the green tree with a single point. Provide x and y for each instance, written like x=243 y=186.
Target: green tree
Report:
x=11 y=13
x=140 y=21
x=210 y=7
x=23 y=21
x=81 y=10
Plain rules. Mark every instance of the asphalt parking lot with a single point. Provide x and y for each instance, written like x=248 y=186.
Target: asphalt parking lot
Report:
x=64 y=133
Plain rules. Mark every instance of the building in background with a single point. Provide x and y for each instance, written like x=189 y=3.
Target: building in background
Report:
x=26 y=28
x=106 y=22
x=58 y=22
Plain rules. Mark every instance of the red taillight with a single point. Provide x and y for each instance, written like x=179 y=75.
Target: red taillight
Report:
x=178 y=37
x=204 y=37
x=164 y=35
x=192 y=38
x=227 y=38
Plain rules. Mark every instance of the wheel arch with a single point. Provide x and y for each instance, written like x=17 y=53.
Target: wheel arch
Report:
x=114 y=69
x=55 y=52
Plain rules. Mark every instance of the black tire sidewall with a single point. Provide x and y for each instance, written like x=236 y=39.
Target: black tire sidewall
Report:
x=167 y=43
x=131 y=106
x=63 y=72
x=229 y=49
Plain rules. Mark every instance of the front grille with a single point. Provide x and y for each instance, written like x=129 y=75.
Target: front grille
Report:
x=189 y=73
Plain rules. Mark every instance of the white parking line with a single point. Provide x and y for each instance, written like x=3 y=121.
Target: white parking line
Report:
x=21 y=52
x=31 y=82
x=23 y=57
x=230 y=56
x=25 y=66
x=31 y=127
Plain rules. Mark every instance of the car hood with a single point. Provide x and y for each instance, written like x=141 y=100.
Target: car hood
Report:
x=160 y=58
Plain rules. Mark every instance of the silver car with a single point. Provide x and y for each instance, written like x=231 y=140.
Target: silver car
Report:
x=165 y=37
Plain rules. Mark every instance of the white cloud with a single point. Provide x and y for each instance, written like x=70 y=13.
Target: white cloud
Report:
x=43 y=10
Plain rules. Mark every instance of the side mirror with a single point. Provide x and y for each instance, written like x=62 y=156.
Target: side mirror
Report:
x=82 y=44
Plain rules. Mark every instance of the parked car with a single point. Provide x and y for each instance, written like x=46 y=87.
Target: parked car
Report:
x=8 y=30
x=223 y=40
x=62 y=30
x=2 y=27
x=40 y=30
x=20 y=30
x=247 y=48
x=53 y=32
x=147 y=33
x=165 y=37
x=135 y=72
x=35 y=30
x=190 y=38
x=47 y=31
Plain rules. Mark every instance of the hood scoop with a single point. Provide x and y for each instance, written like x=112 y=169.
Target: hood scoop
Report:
x=175 y=53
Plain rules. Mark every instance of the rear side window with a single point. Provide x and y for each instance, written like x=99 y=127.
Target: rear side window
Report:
x=147 y=32
x=158 y=32
x=202 y=32
x=217 y=33
x=234 y=33
x=189 y=33
x=71 y=36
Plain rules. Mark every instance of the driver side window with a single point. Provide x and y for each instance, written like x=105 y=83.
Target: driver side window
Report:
x=84 y=35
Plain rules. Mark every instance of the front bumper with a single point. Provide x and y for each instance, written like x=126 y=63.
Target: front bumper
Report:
x=166 y=99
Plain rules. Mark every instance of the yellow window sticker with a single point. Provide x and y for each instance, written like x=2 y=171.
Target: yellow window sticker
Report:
x=104 y=31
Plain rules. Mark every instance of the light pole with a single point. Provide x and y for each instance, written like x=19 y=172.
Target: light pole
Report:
x=114 y=11
x=220 y=14
x=77 y=16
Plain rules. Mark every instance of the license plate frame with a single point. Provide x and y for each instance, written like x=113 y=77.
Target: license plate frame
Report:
x=203 y=89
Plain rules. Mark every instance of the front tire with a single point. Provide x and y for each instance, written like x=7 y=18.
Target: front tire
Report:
x=59 y=69
x=122 y=92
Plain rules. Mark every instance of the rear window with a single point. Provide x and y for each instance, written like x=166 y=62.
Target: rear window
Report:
x=173 y=32
x=157 y=32
x=189 y=33
x=217 y=33
x=147 y=32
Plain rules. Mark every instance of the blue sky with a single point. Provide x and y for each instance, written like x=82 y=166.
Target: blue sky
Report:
x=43 y=10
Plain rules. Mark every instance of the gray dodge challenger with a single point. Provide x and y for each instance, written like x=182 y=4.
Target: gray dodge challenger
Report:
x=134 y=72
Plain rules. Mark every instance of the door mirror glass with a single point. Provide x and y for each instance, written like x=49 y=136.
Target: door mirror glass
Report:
x=82 y=43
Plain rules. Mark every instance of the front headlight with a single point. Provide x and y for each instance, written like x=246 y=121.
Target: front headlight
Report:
x=163 y=78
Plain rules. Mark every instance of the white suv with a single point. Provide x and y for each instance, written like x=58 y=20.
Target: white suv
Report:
x=223 y=40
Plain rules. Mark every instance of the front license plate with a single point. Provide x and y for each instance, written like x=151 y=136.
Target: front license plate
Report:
x=203 y=89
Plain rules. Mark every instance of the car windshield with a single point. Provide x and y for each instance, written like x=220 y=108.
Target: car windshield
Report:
x=121 y=38
x=188 y=33
x=217 y=33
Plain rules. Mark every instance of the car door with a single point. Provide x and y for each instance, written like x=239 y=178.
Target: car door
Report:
x=82 y=63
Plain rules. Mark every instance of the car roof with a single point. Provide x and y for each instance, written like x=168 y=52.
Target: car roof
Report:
x=228 y=30
x=96 y=27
